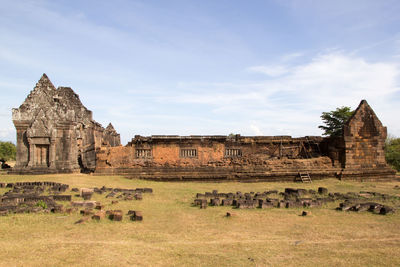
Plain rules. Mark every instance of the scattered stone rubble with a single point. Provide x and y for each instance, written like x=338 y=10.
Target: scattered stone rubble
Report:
x=95 y=211
x=296 y=198
x=366 y=206
x=354 y=204
x=27 y=197
x=35 y=197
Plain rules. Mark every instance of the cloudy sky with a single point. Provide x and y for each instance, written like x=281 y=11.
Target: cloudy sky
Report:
x=205 y=67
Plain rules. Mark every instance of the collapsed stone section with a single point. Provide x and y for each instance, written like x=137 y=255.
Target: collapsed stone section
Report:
x=250 y=158
x=56 y=133
x=357 y=154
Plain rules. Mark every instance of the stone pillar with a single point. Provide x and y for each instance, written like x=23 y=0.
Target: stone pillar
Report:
x=22 y=155
x=52 y=153
x=67 y=140
x=73 y=147
x=32 y=153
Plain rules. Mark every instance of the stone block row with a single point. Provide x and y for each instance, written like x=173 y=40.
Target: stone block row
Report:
x=373 y=207
x=289 y=198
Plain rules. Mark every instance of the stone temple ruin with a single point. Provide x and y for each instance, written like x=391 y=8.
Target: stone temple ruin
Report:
x=56 y=133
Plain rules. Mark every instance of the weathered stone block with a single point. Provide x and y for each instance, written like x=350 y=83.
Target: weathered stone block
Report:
x=62 y=197
x=99 y=215
x=266 y=205
x=199 y=195
x=198 y=201
x=136 y=216
x=386 y=210
x=301 y=192
x=203 y=205
x=115 y=215
x=227 y=202
x=86 y=204
x=322 y=190
x=147 y=190
x=215 y=202
x=293 y=204
x=128 y=197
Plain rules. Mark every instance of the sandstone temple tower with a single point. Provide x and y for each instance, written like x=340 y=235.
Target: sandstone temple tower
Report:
x=363 y=146
x=56 y=133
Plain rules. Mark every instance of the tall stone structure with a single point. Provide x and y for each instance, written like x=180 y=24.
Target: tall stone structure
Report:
x=56 y=133
x=363 y=144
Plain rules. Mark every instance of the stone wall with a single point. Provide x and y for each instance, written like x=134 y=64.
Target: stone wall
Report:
x=217 y=158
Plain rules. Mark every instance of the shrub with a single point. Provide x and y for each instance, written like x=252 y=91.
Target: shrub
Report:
x=7 y=151
x=41 y=204
x=392 y=152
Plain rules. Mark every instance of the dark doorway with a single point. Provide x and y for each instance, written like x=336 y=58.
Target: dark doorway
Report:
x=83 y=168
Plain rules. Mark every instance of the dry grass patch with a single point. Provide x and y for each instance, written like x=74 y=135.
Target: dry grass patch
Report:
x=175 y=233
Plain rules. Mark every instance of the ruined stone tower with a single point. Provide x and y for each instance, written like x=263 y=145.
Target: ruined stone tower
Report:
x=56 y=133
x=364 y=146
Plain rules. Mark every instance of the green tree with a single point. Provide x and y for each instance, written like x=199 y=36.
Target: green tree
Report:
x=392 y=152
x=334 y=121
x=7 y=151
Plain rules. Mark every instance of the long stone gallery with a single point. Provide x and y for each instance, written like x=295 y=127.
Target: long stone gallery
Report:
x=57 y=134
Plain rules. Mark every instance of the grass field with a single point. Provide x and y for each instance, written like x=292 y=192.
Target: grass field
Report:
x=175 y=233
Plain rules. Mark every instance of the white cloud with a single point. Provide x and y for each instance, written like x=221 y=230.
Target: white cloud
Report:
x=327 y=79
x=275 y=70
x=7 y=134
x=339 y=79
x=270 y=70
x=256 y=129
x=291 y=56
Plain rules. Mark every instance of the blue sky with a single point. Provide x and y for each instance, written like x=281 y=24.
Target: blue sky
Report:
x=205 y=67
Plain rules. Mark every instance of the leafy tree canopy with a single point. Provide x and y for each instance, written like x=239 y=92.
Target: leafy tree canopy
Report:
x=392 y=152
x=334 y=121
x=7 y=151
